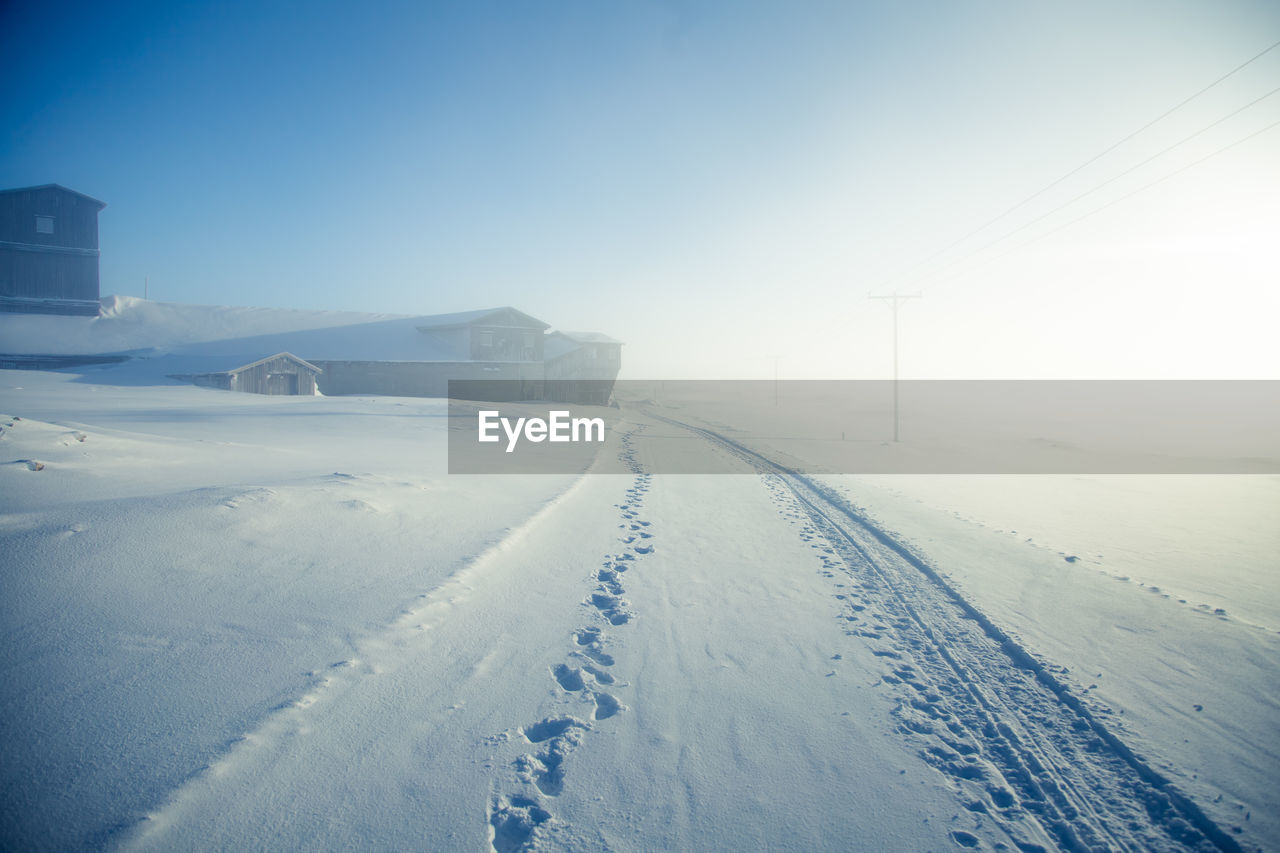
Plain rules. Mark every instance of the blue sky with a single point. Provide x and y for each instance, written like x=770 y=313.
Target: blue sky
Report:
x=714 y=183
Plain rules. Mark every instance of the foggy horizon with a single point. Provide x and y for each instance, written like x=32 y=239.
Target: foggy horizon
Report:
x=663 y=173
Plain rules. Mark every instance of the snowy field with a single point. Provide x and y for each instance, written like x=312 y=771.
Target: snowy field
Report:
x=240 y=622
x=1159 y=594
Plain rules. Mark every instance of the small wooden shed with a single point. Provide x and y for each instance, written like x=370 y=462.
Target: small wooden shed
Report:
x=282 y=373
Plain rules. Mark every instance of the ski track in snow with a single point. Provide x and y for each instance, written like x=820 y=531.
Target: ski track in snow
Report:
x=520 y=821
x=1037 y=769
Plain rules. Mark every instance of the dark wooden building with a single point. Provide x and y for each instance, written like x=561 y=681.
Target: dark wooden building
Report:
x=49 y=251
x=280 y=374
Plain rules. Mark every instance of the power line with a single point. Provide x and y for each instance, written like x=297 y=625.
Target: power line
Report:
x=1115 y=201
x=1087 y=163
x=1105 y=183
x=1148 y=186
x=1149 y=124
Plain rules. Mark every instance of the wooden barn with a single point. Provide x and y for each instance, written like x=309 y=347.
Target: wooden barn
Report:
x=49 y=251
x=280 y=374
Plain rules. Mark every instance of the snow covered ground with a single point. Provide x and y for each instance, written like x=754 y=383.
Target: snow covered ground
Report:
x=197 y=560
x=1157 y=593
x=233 y=621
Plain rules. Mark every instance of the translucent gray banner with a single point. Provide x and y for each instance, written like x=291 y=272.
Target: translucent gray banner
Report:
x=942 y=427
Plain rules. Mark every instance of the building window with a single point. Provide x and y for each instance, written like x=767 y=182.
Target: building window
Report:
x=486 y=338
x=44 y=224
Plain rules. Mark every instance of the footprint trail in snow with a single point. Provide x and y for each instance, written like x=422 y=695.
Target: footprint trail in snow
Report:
x=518 y=820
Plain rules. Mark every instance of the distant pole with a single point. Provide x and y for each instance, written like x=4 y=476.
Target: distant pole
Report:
x=776 y=372
x=146 y=286
x=896 y=299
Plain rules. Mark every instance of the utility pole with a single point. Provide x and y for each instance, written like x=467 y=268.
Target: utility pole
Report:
x=896 y=299
x=776 y=360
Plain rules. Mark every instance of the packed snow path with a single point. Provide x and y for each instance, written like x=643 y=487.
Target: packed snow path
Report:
x=984 y=712
x=647 y=663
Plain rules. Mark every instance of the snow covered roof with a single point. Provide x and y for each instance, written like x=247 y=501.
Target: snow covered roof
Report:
x=127 y=323
x=469 y=318
x=189 y=367
x=384 y=340
x=396 y=339
x=588 y=337
x=306 y=365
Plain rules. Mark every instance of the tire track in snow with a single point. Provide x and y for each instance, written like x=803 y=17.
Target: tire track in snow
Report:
x=1037 y=769
x=520 y=821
